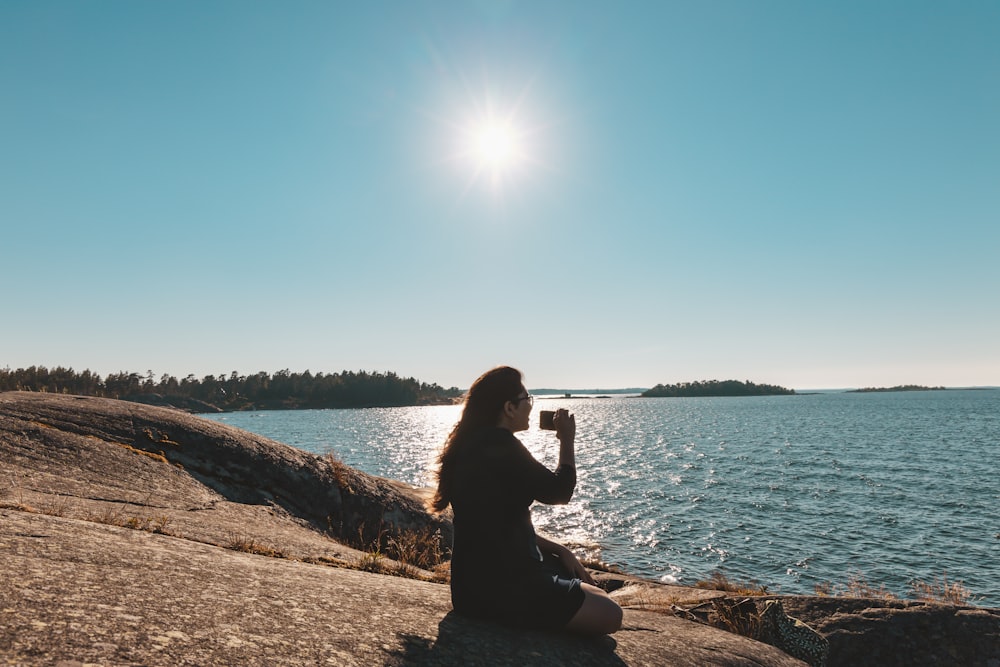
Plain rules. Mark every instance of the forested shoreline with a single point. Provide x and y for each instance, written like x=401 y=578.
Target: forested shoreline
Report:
x=899 y=387
x=716 y=388
x=282 y=390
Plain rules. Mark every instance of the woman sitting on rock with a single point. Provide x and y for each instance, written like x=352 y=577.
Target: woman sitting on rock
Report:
x=498 y=567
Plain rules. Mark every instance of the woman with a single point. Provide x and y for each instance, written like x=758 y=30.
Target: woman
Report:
x=498 y=567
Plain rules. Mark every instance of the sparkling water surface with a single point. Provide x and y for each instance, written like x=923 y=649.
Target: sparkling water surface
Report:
x=786 y=491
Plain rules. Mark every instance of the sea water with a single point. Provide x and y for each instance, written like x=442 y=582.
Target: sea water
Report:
x=790 y=492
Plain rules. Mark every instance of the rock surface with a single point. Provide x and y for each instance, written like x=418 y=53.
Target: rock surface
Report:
x=114 y=523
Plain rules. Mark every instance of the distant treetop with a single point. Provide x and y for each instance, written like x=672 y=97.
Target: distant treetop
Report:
x=900 y=387
x=260 y=391
x=716 y=388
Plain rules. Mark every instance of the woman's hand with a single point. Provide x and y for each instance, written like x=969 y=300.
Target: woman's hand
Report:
x=565 y=424
x=566 y=557
x=575 y=567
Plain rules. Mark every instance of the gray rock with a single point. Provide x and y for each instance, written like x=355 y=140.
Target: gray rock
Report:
x=114 y=518
x=877 y=633
x=88 y=450
x=78 y=591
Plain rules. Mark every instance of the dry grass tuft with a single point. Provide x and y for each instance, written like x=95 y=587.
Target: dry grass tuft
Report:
x=240 y=541
x=56 y=506
x=161 y=438
x=441 y=572
x=151 y=524
x=400 y=553
x=16 y=492
x=326 y=560
x=372 y=561
x=111 y=516
x=419 y=548
x=156 y=456
x=403 y=555
x=824 y=589
x=738 y=616
x=116 y=516
x=720 y=582
x=942 y=591
x=857 y=586
x=341 y=471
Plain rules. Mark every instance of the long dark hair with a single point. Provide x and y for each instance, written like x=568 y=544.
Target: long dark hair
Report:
x=483 y=406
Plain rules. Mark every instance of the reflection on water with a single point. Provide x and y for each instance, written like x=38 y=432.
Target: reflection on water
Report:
x=790 y=491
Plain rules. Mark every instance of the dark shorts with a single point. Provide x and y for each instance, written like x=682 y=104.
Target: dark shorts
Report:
x=543 y=598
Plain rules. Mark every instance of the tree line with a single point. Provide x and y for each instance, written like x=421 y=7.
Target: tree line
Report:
x=716 y=388
x=260 y=391
x=899 y=387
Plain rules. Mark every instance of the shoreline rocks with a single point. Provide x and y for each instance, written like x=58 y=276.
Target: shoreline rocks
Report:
x=133 y=534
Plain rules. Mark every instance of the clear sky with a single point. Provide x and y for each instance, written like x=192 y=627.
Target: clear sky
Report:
x=603 y=194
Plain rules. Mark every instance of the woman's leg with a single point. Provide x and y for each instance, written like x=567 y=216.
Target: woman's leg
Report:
x=599 y=614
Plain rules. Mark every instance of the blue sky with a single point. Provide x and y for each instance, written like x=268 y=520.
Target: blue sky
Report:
x=797 y=193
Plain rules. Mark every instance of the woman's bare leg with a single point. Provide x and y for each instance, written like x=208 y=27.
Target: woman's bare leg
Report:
x=599 y=614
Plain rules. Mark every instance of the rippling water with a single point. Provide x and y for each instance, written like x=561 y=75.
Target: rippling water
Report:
x=788 y=491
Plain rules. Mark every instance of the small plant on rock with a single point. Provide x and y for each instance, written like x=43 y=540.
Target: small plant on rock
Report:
x=420 y=548
x=740 y=617
x=858 y=587
x=371 y=561
x=720 y=582
x=111 y=516
x=341 y=471
x=239 y=541
x=942 y=591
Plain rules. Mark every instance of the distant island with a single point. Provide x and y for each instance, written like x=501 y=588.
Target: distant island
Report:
x=560 y=393
x=283 y=390
x=902 y=387
x=716 y=388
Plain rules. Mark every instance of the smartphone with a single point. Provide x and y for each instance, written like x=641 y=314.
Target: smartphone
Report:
x=546 y=420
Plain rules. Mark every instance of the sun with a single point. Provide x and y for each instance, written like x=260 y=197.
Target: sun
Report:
x=495 y=145
x=495 y=150
x=494 y=141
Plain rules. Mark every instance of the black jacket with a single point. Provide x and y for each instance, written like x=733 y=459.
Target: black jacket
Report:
x=495 y=481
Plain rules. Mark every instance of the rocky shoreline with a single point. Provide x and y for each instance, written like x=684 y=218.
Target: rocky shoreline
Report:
x=135 y=534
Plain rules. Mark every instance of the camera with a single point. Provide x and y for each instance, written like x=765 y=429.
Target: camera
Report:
x=546 y=420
